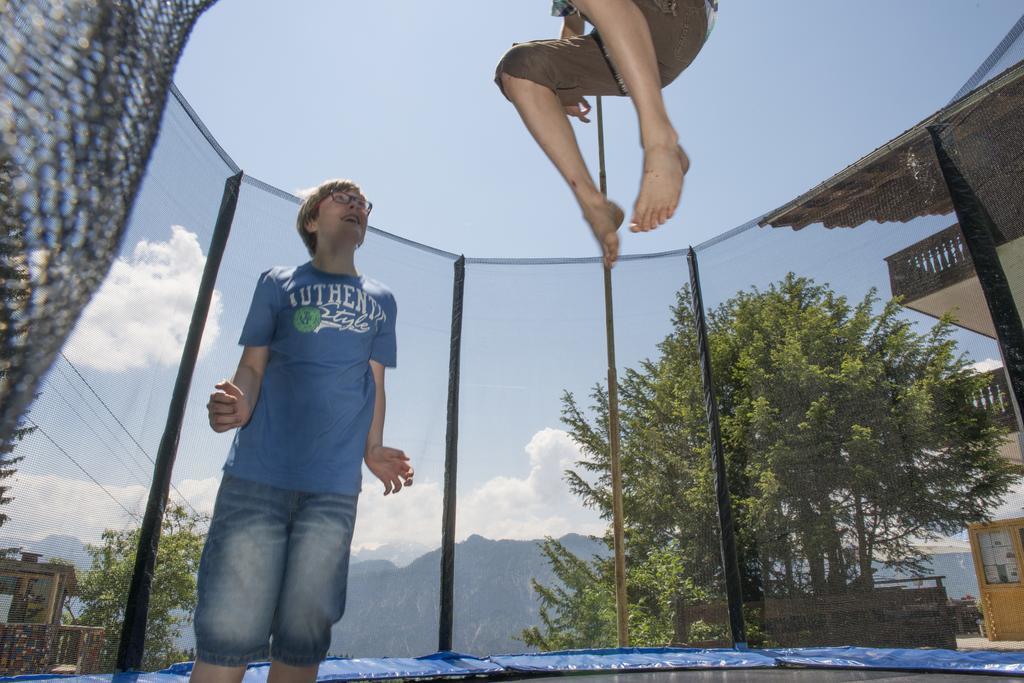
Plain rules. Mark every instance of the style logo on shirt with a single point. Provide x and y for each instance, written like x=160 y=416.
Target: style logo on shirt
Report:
x=334 y=307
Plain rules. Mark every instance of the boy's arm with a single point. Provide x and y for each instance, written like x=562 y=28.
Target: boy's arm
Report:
x=380 y=404
x=231 y=405
x=249 y=374
x=572 y=26
x=390 y=465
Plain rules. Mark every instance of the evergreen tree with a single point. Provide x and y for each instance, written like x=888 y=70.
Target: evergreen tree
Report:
x=14 y=292
x=849 y=437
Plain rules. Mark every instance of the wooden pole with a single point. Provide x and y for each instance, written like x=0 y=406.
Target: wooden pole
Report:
x=621 y=605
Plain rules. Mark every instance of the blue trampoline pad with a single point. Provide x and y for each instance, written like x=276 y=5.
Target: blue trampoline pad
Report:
x=731 y=665
x=634 y=659
x=949 y=661
x=778 y=675
x=643 y=665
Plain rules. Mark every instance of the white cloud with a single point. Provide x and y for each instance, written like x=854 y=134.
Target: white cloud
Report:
x=413 y=515
x=200 y=493
x=538 y=505
x=47 y=504
x=986 y=365
x=141 y=313
x=500 y=508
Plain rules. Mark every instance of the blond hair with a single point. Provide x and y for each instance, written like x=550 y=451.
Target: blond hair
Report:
x=310 y=209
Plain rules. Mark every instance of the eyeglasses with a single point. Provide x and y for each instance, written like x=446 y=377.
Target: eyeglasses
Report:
x=349 y=198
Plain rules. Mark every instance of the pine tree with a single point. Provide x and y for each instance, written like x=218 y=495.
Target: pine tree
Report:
x=850 y=438
x=14 y=292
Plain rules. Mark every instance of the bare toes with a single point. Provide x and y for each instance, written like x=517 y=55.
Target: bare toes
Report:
x=611 y=251
x=604 y=221
x=660 y=188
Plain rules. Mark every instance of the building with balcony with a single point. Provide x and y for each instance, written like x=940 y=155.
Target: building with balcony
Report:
x=32 y=637
x=981 y=134
x=936 y=277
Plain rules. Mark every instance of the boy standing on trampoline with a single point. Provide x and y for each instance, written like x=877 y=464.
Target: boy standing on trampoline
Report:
x=637 y=48
x=308 y=399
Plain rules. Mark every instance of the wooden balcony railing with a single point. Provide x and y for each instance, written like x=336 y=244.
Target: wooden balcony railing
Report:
x=934 y=263
x=49 y=648
x=995 y=397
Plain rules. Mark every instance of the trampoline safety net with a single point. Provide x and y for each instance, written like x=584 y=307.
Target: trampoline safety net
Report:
x=866 y=358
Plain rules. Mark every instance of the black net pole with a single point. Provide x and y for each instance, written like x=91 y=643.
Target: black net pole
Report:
x=727 y=535
x=451 y=442
x=133 y=631
x=980 y=231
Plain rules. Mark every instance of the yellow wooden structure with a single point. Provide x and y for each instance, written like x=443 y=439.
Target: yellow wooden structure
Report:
x=998 y=550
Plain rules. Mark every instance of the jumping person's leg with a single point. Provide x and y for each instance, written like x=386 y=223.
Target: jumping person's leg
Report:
x=545 y=118
x=625 y=32
x=656 y=40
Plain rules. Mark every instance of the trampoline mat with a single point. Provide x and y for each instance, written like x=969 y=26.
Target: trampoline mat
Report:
x=778 y=676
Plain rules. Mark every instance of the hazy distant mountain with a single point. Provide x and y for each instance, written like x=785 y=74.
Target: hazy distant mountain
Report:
x=401 y=554
x=393 y=611
x=393 y=603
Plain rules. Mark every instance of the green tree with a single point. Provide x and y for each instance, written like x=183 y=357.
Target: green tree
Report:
x=849 y=439
x=671 y=534
x=103 y=589
x=14 y=293
x=579 y=613
x=859 y=437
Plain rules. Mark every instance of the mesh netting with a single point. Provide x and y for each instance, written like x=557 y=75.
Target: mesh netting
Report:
x=81 y=84
x=868 y=421
x=91 y=439
x=1008 y=52
x=891 y=441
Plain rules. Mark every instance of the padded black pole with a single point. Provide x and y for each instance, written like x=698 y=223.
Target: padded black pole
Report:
x=618 y=524
x=451 y=458
x=980 y=233
x=133 y=631
x=727 y=534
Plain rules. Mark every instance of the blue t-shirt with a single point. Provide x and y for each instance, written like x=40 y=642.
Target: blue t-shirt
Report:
x=309 y=426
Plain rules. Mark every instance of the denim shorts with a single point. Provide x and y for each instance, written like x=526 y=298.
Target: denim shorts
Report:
x=273 y=574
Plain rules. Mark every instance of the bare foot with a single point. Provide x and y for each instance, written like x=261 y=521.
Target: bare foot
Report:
x=604 y=219
x=660 y=188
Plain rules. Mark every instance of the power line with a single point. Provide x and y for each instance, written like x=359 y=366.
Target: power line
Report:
x=125 y=429
x=139 y=478
x=93 y=479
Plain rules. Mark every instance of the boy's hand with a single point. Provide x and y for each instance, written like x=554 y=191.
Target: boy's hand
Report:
x=228 y=407
x=579 y=110
x=391 y=466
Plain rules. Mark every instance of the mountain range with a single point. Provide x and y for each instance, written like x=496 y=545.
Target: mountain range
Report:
x=393 y=600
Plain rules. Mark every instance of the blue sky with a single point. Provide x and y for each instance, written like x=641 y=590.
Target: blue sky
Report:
x=399 y=96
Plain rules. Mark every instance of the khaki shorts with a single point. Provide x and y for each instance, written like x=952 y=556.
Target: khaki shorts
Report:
x=576 y=67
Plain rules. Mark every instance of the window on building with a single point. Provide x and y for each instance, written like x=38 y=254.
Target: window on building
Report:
x=25 y=598
x=998 y=557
